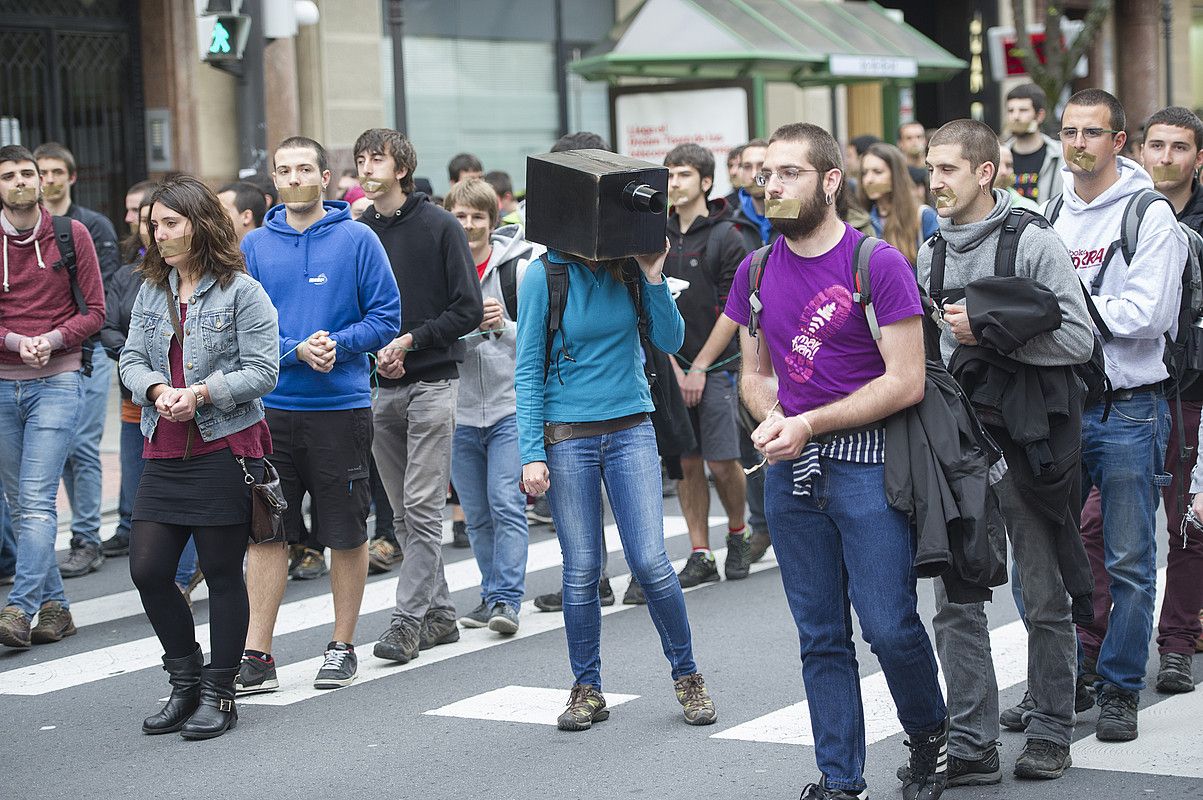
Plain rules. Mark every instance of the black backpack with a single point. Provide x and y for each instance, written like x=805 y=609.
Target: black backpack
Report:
x=507 y=273
x=66 y=249
x=1092 y=373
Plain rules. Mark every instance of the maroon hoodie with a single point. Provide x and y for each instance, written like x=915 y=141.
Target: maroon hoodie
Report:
x=35 y=298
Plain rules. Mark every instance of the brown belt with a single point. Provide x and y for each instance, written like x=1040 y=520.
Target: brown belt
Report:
x=556 y=432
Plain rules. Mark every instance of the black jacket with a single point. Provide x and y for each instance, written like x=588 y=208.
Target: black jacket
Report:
x=440 y=292
x=120 y=292
x=941 y=467
x=707 y=255
x=104 y=239
x=1192 y=213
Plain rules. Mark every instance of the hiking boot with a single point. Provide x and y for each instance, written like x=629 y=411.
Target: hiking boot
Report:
x=14 y=628
x=1174 y=676
x=984 y=771
x=503 y=619
x=585 y=707
x=540 y=512
x=1042 y=760
x=399 y=643
x=184 y=674
x=700 y=568
x=459 y=534
x=116 y=545
x=739 y=549
x=311 y=564
x=338 y=668
x=692 y=694
x=758 y=545
x=83 y=558
x=1117 y=715
x=477 y=617
x=1012 y=718
x=256 y=675
x=54 y=624
x=216 y=713
x=438 y=627
x=382 y=554
x=634 y=595
x=928 y=767
x=819 y=791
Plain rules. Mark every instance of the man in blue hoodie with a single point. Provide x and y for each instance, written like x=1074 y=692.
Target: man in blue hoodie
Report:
x=334 y=290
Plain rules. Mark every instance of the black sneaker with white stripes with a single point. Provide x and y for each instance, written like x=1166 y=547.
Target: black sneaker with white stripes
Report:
x=256 y=674
x=928 y=767
x=339 y=667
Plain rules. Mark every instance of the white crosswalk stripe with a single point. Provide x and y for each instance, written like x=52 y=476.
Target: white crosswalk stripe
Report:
x=530 y=704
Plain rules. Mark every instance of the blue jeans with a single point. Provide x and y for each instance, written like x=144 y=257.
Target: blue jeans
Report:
x=132 y=464
x=627 y=463
x=844 y=543
x=37 y=423
x=8 y=538
x=81 y=473
x=486 y=470
x=1125 y=458
x=187 y=566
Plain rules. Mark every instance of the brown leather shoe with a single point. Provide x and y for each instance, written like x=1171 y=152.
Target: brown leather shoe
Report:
x=54 y=624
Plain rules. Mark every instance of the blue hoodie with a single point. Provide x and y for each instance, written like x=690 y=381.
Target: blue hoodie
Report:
x=333 y=276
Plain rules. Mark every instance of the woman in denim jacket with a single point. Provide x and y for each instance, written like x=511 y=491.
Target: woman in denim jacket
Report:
x=201 y=352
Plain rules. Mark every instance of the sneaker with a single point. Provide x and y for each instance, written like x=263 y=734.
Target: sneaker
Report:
x=339 y=667
x=692 y=694
x=382 y=554
x=700 y=568
x=634 y=595
x=554 y=601
x=503 y=619
x=819 y=791
x=14 y=628
x=198 y=578
x=312 y=564
x=984 y=771
x=540 y=512
x=54 y=624
x=1042 y=759
x=1175 y=675
x=116 y=545
x=758 y=545
x=585 y=707
x=477 y=617
x=739 y=550
x=1117 y=715
x=399 y=643
x=438 y=627
x=459 y=534
x=84 y=557
x=295 y=553
x=928 y=768
x=668 y=486
x=1012 y=718
x=256 y=675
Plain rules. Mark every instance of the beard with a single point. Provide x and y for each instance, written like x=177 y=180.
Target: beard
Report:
x=809 y=218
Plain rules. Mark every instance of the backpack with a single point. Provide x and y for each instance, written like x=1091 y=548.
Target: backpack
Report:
x=1092 y=372
x=507 y=273
x=1183 y=354
x=65 y=239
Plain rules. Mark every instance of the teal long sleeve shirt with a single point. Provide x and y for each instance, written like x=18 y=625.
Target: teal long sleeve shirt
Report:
x=604 y=378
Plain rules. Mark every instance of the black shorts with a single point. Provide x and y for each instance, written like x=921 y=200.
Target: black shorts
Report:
x=327 y=454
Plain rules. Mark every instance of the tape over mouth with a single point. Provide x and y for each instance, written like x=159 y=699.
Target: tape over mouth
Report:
x=53 y=191
x=1080 y=158
x=945 y=198
x=21 y=195
x=782 y=208
x=1164 y=173
x=874 y=189
x=305 y=193
x=170 y=248
x=375 y=184
x=1023 y=128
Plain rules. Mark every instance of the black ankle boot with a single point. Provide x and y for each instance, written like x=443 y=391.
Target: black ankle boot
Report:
x=185 y=694
x=216 y=713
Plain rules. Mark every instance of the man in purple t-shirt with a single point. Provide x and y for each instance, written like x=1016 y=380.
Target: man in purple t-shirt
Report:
x=823 y=387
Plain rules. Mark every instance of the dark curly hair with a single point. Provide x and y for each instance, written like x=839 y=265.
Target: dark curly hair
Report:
x=214 y=243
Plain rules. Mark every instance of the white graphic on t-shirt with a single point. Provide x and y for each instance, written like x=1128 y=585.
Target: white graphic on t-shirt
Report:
x=823 y=316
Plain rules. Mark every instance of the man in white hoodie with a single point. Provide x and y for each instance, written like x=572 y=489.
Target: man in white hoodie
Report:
x=1138 y=302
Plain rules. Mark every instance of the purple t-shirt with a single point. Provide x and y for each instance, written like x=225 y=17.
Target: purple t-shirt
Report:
x=817 y=336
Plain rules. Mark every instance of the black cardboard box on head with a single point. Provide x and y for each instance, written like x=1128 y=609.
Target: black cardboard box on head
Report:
x=595 y=204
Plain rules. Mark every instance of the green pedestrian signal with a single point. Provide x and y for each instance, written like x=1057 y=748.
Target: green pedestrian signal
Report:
x=221 y=39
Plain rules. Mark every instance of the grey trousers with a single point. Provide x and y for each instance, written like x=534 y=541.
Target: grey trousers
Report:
x=963 y=641
x=414 y=424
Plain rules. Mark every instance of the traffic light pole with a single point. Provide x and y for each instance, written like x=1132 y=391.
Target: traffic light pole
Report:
x=252 y=124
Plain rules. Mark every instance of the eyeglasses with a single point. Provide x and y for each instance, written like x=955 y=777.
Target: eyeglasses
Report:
x=1069 y=134
x=787 y=175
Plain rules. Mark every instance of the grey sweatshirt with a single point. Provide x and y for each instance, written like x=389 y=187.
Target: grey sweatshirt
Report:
x=486 y=378
x=1041 y=256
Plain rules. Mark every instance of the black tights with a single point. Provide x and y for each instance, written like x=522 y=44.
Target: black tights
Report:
x=154 y=553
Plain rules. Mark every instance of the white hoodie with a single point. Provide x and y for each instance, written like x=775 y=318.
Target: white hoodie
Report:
x=1138 y=301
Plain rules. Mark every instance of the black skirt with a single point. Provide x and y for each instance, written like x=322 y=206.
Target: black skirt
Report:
x=206 y=491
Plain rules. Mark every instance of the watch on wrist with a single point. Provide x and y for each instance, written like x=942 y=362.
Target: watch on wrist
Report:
x=196 y=391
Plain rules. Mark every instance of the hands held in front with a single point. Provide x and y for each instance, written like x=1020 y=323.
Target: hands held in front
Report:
x=390 y=361
x=494 y=318
x=652 y=264
x=781 y=438
x=35 y=351
x=535 y=478
x=177 y=405
x=958 y=322
x=319 y=351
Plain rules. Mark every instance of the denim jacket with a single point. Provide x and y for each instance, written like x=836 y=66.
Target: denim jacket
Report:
x=231 y=344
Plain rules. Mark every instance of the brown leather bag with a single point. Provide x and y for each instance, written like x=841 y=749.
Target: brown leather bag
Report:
x=267 y=504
